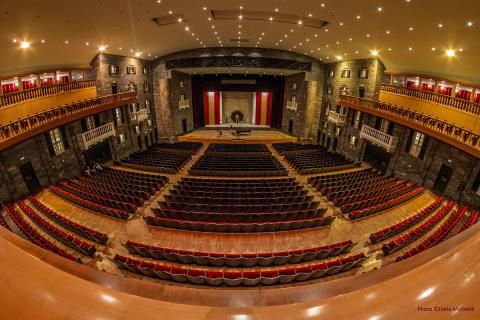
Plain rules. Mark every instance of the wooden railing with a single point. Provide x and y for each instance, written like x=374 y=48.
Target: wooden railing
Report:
x=379 y=138
x=452 y=134
x=89 y=138
x=138 y=116
x=22 y=129
x=24 y=95
x=459 y=104
x=338 y=119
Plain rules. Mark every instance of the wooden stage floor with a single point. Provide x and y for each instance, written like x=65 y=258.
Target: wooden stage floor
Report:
x=266 y=136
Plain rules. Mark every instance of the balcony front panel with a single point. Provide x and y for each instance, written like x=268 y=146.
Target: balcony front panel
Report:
x=456 y=111
x=42 y=103
x=338 y=119
x=379 y=138
x=94 y=136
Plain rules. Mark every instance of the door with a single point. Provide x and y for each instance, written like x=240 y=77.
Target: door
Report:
x=30 y=178
x=443 y=178
x=114 y=88
x=139 y=141
x=184 y=125
x=290 y=127
x=327 y=143
x=361 y=92
x=98 y=153
x=376 y=157
x=335 y=143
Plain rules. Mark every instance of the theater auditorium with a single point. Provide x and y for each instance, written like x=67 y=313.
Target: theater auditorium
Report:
x=239 y=159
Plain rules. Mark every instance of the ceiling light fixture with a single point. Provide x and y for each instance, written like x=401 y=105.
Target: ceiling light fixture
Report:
x=137 y=54
x=374 y=52
x=25 y=45
x=470 y=24
x=102 y=48
x=339 y=57
x=450 y=53
x=271 y=18
x=379 y=9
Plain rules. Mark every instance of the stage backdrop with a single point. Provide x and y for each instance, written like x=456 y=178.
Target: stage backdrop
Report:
x=211 y=107
x=237 y=101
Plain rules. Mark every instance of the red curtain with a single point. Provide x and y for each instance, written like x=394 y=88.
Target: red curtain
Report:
x=263 y=108
x=211 y=107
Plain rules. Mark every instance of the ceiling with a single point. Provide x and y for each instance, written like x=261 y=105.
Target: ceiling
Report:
x=354 y=29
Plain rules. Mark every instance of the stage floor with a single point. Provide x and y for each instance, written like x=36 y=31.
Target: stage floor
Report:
x=266 y=136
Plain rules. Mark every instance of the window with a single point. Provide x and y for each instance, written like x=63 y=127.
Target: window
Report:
x=149 y=122
x=113 y=69
x=182 y=97
x=384 y=124
x=147 y=105
x=343 y=89
x=145 y=70
x=294 y=86
x=182 y=84
x=56 y=140
x=353 y=141
x=132 y=87
x=90 y=123
x=131 y=70
x=331 y=73
x=357 y=119
x=121 y=138
x=363 y=73
x=338 y=131
x=146 y=86
x=293 y=98
x=118 y=116
x=417 y=143
x=330 y=89
x=346 y=73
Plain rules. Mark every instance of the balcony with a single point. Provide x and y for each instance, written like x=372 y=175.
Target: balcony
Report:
x=459 y=137
x=25 y=95
x=183 y=104
x=24 y=128
x=139 y=116
x=94 y=136
x=338 y=119
x=292 y=106
x=379 y=138
x=453 y=110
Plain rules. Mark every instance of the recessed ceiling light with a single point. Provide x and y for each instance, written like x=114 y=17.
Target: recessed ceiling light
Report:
x=25 y=44
x=209 y=19
x=461 y=49
x=120 y=48
x=389 y=49
x=316 y=35
x=187 y=28
x=374 y=52
x=434 y=49
x=350 y=39
x=159 y=1
x=410 y=49
x=102 y=48
x=379 y=9
x=241 y=8
x=368 y=35
x=450 y=53
x=42 y=41
x=87 y=43
x=387 y=32
x=300 y=22
x=170 y=12
x=271 y=18
x=179 y=19
x=410 y=29
x=470 y=24
x=276 y=9
x=341 y=23
x=240 y=17
x=339 y=57
x=204 y=8
x=66 y=42
x=358 y=17
x=137 y=54
x=310 y=15
x=322 y=5
x=356 y=52
x=14 y=40
x=440 y=25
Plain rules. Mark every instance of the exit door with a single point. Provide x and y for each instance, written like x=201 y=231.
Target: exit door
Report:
x=443 y=178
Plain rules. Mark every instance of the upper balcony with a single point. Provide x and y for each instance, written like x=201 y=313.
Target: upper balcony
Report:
x=24 y=128
x=139 y=116
x=457 y=136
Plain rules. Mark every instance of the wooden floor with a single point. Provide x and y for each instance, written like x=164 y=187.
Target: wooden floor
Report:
x=256 y=136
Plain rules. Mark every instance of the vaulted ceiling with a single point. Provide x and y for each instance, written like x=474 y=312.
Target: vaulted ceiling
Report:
x=408 y=35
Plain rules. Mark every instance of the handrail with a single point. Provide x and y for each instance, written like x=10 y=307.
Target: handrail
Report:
x=16 y=131
x=449 y=101
x=378 y=137
x=452 y=134
x=35 y=93
x=89 y=138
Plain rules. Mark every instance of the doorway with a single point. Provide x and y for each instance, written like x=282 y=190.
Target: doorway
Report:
x=376 y=157
x=139 y=141
x=442 y=180
x=335 y=143
x=114 y=88
x=30 y=178
x=290 y=126
x=98 y=153
x=361 y=92
x=184 y=125
x=327 y=143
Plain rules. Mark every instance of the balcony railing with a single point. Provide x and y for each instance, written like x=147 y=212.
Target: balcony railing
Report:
x=89 y=138
x=292 y=105
x=379 y=138
x=139 y=116
x=24 y=95
x=459 y=104
x=22 y=129
x=183 y=104
x=449 y=133
x=338 y=119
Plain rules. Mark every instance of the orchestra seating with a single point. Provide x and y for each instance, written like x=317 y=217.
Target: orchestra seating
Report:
x=113 y=192
x=219 y=149
x=165 y=158
x=471 y=220
x=222 y=205
x=238 y=161
x=235 y=277
x=308 y=159
x=364 y=192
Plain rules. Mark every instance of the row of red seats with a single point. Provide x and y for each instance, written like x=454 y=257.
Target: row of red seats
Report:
x=359 y=187
x=471 y=220
x=3 y=223
x=357 y=214
x=239 y=278
x=67 y=239
x=419 y=231
x=117 y=187
x=238 y=216
x=438 y=236
x=79 y=229
x=112 y=212
x=405 y=224
x=37 y=238
x=348 y=207
x=125 y=206
x=240 y=226
x=374 y=191
x=236 y=259
x=106 y=192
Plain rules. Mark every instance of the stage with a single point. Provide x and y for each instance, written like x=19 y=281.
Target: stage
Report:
x=257 y=135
